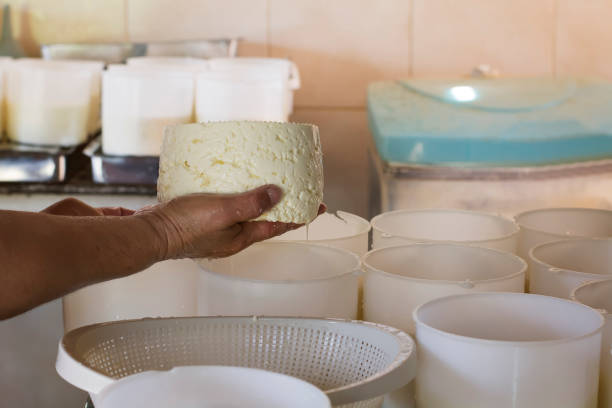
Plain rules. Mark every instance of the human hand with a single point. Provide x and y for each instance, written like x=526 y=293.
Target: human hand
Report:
x=214 y=225
x=77 y=208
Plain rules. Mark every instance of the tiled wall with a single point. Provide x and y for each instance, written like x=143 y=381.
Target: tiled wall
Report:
x=341 y=45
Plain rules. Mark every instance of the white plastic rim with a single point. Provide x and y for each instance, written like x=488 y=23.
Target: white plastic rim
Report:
x=446 y=225
x=341 y=230
x=137 y=104
x=557 y=268
x=507 y=350
x=253 y=67
x=47 y=103
x=332 y=362
x=554 y=224
x=399 y=279
x=211 y=386
x=598 y=295
x=148 y=60
x=281 y=279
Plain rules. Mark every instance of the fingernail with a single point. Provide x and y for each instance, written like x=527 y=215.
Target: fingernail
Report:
x=274 y=193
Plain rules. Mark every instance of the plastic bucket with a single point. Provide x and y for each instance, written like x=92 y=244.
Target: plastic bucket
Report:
x=47 y=103
x=557 y=268
x=211 y=386
x=507 y=350
x=458 y=226
x=598 y=295
x=341 y=230
x=137 y=104
x=281 y=279
x=241 y=94
x=399 y=279
x=166 y=289
x=554 y=224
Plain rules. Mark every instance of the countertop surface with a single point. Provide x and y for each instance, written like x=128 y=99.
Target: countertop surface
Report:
x=79 y=183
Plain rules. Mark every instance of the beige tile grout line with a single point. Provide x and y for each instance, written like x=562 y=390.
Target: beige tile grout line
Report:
x=411 y=40
x=554 y=36
x=267 y=28
x=126 y=21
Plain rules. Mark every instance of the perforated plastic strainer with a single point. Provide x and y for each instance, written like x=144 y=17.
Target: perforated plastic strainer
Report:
x=354 y=362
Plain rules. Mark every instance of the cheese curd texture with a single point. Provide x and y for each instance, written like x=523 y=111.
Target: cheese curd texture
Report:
x=233 y=157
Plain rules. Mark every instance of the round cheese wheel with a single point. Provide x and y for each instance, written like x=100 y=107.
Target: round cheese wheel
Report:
x=234 y=157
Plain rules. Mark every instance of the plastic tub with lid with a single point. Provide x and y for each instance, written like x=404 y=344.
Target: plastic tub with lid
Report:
x=341 y=230
x=504 y=145
x=138 y=103
x=211 y=386
x=281 y=279
x=400 y=278
x=48 y=103
x=246 y=89
x=557 y=268
x=507 y=350
x=459 y=226
x=598 y=295
x=281 y=67
x=554 y=224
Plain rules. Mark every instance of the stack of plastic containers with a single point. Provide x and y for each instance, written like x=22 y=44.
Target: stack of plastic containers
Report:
x=139 y=102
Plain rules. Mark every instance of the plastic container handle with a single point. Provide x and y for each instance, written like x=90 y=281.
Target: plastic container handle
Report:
x=294 y=77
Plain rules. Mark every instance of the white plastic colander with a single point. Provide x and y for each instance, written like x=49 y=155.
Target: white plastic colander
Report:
x=355 y=363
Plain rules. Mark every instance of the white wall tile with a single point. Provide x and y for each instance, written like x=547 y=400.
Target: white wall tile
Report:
x=340 y=46
x=584 y=38
x=451 y=37
x=166 y=20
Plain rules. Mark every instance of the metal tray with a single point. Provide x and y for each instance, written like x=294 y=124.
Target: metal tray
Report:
x=106 y=169
x=21 y=163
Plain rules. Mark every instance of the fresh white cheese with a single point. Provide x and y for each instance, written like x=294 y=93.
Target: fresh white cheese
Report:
x=233 y=157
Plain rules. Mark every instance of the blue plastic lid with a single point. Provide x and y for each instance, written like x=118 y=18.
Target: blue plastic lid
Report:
x=491 y=122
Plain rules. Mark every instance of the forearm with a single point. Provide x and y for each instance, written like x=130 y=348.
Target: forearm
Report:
x=47 y=256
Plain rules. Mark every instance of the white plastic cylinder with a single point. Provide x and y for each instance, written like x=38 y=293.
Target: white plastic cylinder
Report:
x=211 y=386
x=281 y=279
x=556 y=268
x=270 y=67
x=166 y=289
x=239 y=94
x=554 y=224
x=137 y=104
x=458 y=226
x=399 y=279
x=598 y=295
x=507 y=350
x=341 y=230
x=48 y=104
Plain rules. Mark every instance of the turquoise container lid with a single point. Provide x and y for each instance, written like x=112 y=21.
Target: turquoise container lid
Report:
x=491 y=122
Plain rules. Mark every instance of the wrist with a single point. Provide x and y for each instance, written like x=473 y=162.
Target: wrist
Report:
x=154 y=229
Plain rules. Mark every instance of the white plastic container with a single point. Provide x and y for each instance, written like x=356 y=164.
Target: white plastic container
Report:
x=399 y=279
x=138 y=103
x=48 y=104
x=464 y=227
x=355 y=363
x=598 y=295
x=264 y=67
x=246 y=89
x=341 y=230
x=166 y=289
x=557 y=268
x=183 y=62
x=507 y=350
x=281 y=279
x=554 y=224
x=211 y=386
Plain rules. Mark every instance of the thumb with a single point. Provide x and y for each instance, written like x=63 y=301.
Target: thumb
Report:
x=247 y=206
